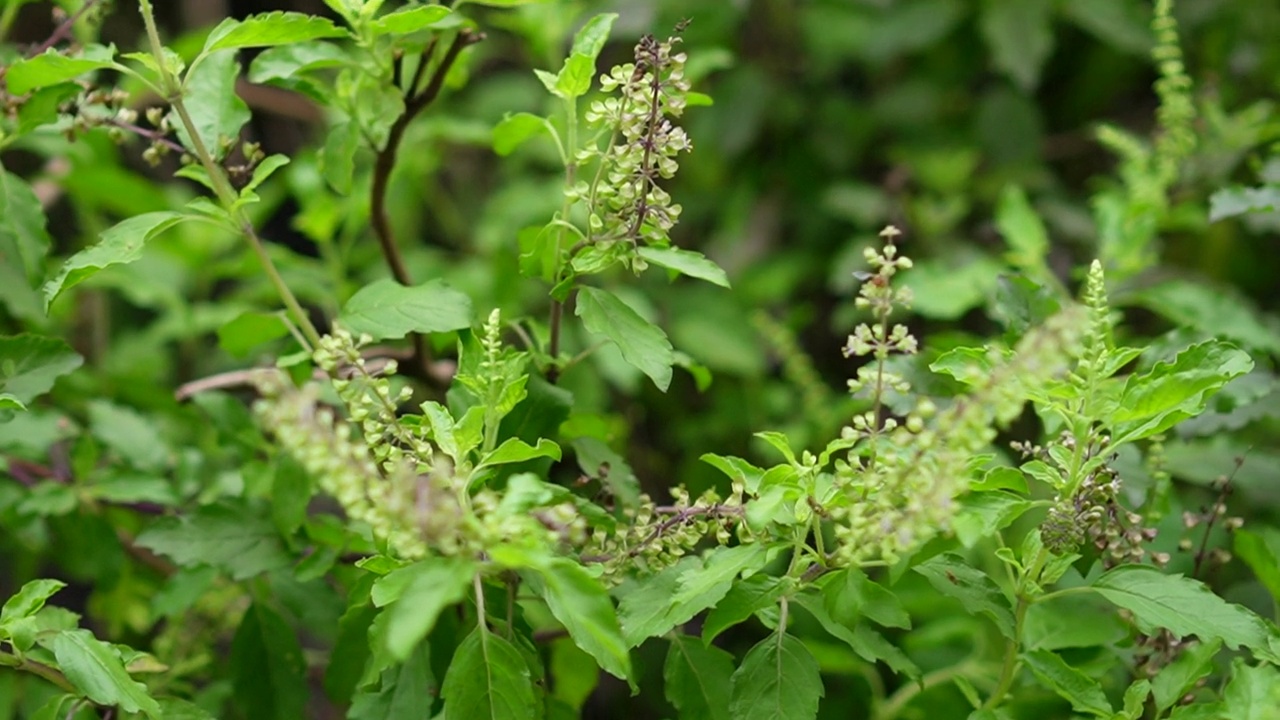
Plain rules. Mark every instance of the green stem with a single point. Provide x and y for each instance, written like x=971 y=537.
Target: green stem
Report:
x=50 y=674
x=910 y=691
x=1009 y=668
x=226 y=194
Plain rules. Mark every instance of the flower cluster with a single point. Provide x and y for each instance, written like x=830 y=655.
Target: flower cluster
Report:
x=626 y=201
x=901 y=478
x=652 y=537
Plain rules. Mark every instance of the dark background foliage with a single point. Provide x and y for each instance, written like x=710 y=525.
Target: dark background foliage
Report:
x=831 y=118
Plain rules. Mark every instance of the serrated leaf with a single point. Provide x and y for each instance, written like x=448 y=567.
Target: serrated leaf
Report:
x=583 y=606
x=778 y=680
x=1261 y=552
x=574 y=79
x=410 y=20
x=24 y=242
x=268 y=672
x=869 y=644
x=121 y=243
x=418 y=594
x=231 y=538
x=28 y=601
x=96 y=670
x=385 y=309
x=951 y=576
x=645 y=609
x=686 y=262
x=31 y=364
x=514 y=129
x=1184 y=607
x=287 y=61
x=488 y=679
x=983 y=514
x=271 y=28
x=1023 y=231
x=1083 y=692
x=1233 y=201
x=1179 y=677
x=590 y=39
x=54 y=66
x=1020 y=36
x=744 y=599
x=1173 y=391
x=515 y=450
x=250 y=330
x=1252 y=694
x=850 y=595
x=1122 y=24
x=1214 y=311
x=217 y=112
x=129 y=433
x=697 y=679
x=642 y=344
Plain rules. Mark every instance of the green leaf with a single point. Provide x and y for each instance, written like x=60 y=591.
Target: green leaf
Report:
x=1233 y=201
x=1183 y=606
x=1171 y=392
x=338 y=156
x=488 y=679
x=218 y=113
x=744 y=599
x=250 y=330
x=410 y=20
x=590 y=39
x=866 y=642
x=644 y=607
x=686 y=262
x=268 y=673
x=643 y=344
x=268 y=29
x=129 y=433
x=515 y=450
x=583 y=606
x=122 y=243
x=418 y=594
x=778 y=680
x=385 y=309
x=1020 y=36
x=983 y=514
x=1071 y=621
x=96 y=670
x=405 y=692
x=849 y=595
x=24 y=242
x=1122 y=24
x=1023 y=231
x=29 y=600
x=1261 y=552
x=1252 y=694
x=977 y=592
x=1180 y=677
x=291 y=493
x=697 y=679
x=228 y=537
x=287 y=61
x=970 y=365
x=31 y=364
x=1214 y=311
x=262 y=172
x=574 y=79
x=1083 y=692
x=514 y=129
x=53 y=67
